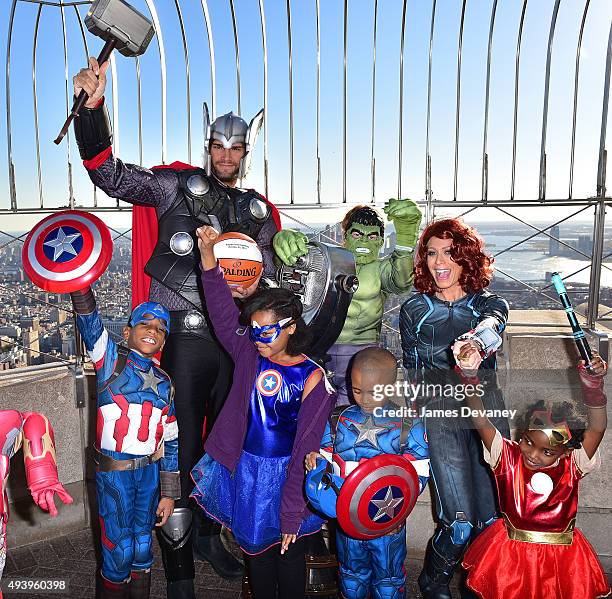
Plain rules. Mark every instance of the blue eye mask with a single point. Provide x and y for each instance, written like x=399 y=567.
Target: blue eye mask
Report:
x=269 y=332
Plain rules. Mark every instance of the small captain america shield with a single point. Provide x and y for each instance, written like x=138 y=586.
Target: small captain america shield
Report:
x=377 y=496
x=67 y=251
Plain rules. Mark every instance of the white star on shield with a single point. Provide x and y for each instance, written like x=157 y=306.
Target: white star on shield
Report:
x=367 y=431
x=269 y=382
x=62 y=243
x=150 y=381
x=386 y=506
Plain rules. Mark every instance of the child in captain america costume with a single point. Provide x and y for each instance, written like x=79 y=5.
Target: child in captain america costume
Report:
x=372 y=567
x=136 y=428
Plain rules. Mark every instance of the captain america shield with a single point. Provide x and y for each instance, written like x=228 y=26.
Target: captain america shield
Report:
x=377 y=497
x=67 y=251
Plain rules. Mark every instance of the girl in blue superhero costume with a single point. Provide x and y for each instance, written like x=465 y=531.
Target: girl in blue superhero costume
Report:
x=451 y=275
x=251 y=476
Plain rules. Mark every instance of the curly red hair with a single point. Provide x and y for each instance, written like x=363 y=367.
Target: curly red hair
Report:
x=467 y=251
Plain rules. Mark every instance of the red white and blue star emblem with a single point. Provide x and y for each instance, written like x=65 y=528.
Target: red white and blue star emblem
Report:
x=67 y=251
x=269 y=382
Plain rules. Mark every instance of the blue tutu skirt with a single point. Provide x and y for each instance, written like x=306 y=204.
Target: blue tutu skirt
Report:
x=247 y=502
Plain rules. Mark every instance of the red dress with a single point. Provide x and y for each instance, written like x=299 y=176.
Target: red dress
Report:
x=535 y=552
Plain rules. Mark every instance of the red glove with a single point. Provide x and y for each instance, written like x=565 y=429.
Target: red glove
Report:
x=592 y=385
x=40 y=465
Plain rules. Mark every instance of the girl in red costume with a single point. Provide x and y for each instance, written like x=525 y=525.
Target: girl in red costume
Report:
x=535 y=551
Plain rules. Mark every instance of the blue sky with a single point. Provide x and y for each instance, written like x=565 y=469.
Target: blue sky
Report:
x=50 y=83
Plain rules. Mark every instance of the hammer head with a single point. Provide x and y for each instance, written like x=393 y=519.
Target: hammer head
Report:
x=116 y=19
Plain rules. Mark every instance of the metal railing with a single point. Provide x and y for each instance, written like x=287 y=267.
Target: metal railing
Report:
x=183 y=27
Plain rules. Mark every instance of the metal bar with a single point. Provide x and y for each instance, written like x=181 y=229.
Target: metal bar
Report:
x=596 y=264
x=60 y=3
x=401 y=102
x=162 y=66
x=458 y=101
x=428 y=190
x=13 y=239
x=525 y=284
x=211 y=54
x=318 y=126
x=485 y=157
x=187 y=78
x=35 y=99
x=581 y=269
x=264 y=43
x=372 y=159
x=9 y=134
x=116 y=128
x=139 y=107
x=86 y=48
x=600 y=211
x=517 y=67
x=334 y=205
x=576 y=78
x=65 y=44
x=601 y=166
x=551 y=36
x=237 y=52
x=542 y=231
x=602 y=316
x=290 y=98
x=344 y=99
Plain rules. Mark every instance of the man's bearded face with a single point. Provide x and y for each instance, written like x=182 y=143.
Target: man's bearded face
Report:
x=226 y=161
x=364 y=242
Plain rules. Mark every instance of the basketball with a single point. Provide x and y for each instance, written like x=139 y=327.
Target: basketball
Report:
x=239 y=258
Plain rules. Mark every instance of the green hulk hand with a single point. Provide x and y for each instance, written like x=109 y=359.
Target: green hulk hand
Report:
x=406 y=217
x=290 y=245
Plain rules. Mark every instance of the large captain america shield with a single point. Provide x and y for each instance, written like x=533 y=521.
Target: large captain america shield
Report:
x=377 y=496
x=67 y=251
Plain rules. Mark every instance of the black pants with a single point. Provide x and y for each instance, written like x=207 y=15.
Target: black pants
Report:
x=272 y=575
x=201 y=372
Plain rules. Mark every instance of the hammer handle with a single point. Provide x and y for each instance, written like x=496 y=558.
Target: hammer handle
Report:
x=109 y=46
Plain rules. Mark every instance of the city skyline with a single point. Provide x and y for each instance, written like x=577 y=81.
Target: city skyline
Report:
x=37 y=326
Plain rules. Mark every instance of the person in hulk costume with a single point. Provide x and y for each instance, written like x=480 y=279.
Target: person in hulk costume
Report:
x=363 y=230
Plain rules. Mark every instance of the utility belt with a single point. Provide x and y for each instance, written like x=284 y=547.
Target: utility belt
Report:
x=535 y=536
x=105 y=463
x=189 y=321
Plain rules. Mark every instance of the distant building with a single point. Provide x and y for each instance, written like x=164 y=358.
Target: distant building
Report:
x=69 y=345
x=10 y=331
x=31 y=345
x=553 y=244
x=585 y=243
x=58 y=315
x=30 y=322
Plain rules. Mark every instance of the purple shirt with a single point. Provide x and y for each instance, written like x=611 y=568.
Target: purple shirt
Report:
x=226 y=440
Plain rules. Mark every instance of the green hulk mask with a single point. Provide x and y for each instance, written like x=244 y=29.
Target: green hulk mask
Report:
x=364 y=241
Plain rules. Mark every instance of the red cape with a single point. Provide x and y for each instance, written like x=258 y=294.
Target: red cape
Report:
x=144 y=238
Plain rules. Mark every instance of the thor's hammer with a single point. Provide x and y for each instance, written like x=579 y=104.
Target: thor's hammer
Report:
x=123 y=28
